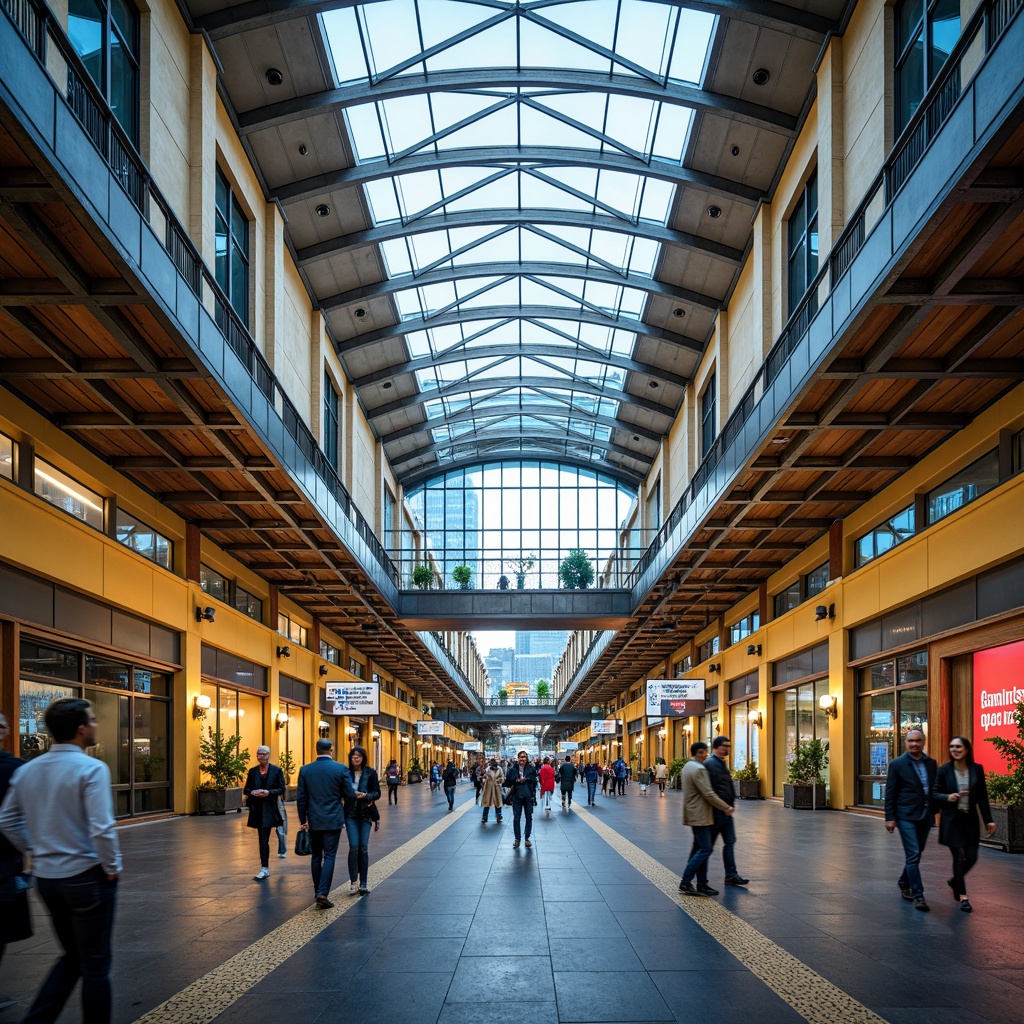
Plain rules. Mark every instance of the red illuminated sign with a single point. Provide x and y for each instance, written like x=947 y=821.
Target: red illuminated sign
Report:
x=998 y=686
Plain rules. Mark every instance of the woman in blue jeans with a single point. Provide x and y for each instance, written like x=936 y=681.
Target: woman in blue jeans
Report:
x=360 y=814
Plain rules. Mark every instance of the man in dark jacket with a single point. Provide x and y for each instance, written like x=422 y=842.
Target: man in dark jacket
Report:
x=450 y=778
x=721 y=783
x=323 y=786
x=566 y=781
x=908 y=789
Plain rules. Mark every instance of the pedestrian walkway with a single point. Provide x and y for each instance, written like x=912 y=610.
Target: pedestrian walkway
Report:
x=587 y=926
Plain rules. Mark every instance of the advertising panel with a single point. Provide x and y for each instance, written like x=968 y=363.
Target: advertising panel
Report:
x=430 y=728
x=473 y=745
x=998 y=686
x=604 y=727
x=567 y=746
x=354 y=698
x=682 y=708
x=660 y=690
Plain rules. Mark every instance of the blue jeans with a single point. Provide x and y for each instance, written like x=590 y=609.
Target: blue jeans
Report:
x=698 y=862
x=725 y=827
x=358 y=848
x=325 y=850
x=449 y=791
x=913 y=835
x=591 y=790
x=82 y=911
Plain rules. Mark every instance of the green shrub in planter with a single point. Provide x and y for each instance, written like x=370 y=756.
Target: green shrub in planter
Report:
x=423 y=577
x=463 y=575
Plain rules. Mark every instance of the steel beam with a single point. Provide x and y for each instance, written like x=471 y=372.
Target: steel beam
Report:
x=629 y=480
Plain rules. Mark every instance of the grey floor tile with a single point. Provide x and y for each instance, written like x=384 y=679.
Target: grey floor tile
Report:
x=525 y=975
x=608 y=996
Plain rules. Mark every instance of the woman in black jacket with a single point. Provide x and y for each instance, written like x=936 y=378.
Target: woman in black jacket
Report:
x=961 y=793
x=264 y=786
x=360 y=814
x=521 y=779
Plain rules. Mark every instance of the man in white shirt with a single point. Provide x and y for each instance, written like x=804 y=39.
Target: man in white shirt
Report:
x=59 y=810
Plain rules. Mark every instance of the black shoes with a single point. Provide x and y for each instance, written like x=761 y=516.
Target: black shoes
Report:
x=736 y=880
x=920 y=903
x=687 y=889
x=905 y=892
x=324 y=903
x=965 y=905
x=705 y=890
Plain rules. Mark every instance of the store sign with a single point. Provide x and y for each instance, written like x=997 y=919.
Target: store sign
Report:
x=567 y=746
x=354 y=698
x=998 y=686
x=661 y=690
x=604 y=727
x=682 y=708
x=473 y=745
x=430 y=728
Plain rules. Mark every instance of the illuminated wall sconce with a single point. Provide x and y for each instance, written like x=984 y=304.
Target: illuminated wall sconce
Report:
x=715 y=667
x=323 y=728
x=714 y=725
x=281 y=720
x=756 y=718
x=821 y=612
x=322 y=670
x=754 y=649
x=663 y=733
x=375 y=734
x=284 y=652
x=200 y=705
x=403 y=739
x=205 y=614
x=829 y=703
x=351 y=730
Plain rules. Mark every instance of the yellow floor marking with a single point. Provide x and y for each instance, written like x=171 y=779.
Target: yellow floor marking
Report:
x=812 y=996
x=209 y=996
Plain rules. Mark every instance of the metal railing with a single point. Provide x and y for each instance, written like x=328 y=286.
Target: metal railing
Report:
x=980 y=35
x=48 y=42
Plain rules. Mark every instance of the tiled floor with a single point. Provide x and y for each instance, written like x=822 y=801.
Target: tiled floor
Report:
x=584 y=927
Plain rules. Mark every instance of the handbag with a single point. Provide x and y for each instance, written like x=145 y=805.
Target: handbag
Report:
x=303 y=843
x=507 y=798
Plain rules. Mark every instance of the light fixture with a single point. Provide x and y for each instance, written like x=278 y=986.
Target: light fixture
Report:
x=281 y=720
x=322 y=209
x=284 y=652
x=360 y=313
x=780 y=440
x=714 y=212
x=375 y=734
x=755 y=718
x=714 y=725
x=205 y=614
x=403 y=739
x=735 y=151
x=821 y=612
x=754 y=649
x=351 y=730
x=322 y=670
x=323 y=728
x=663 y=733
x=387 y=385
x=679 y=312
x=829 y=703
x=653 y=384
x=274 y=77
x=200 y=705
x=302 y=149
x=761 y=76
x=715 y=667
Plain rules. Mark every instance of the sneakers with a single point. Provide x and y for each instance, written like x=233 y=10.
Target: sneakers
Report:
x=736 y=880
x=281 y=856
x=920 y=903
x=687 y=889
x=706 y=890
x=352 y=888
x=261 y=874
x=965 y=905
x=363 y=890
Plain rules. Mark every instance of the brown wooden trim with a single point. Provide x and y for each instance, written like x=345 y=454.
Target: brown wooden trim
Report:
x=9 y=663
x=835 y=550
x=193 y=552
x=762 y=602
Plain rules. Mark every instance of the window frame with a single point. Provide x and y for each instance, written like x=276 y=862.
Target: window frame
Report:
x=799 y=248
x=119 y=513
x=332 y=422
x=921 y=35
x=240 y=304
x=708 y=414
x=99 y=503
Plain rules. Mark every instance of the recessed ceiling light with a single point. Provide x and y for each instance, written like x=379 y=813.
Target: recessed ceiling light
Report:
x=274 y=77
x=714 y=212
x=761 y=76
x=302 y=149
x=679 y=311
x=735 y=150
x=322 y=210
x=636 y=437
x=360 y=313
x=653 y=384
x=387 y=385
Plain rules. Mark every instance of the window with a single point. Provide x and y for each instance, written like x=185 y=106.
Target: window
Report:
x=214 y=584
x=801 y=590
x=798 y=718
x=6 y=457
x=739 y=630
x=142 y=539
x=787 y=599
x=329 y=653
x=1016 y=452
x=106 y=37
x=707 y=649
x=803 y=244
x=231 y=228
x=816 y=580
x=331 y=422
x=654 y=506
x=708 y=406
x=884 y=537
x=963 y=487
x=248 y=604
x=684 y=666
x=50 y=484
x=926 y=32
x=295 y=632
x=390 y=510
x=357 y=668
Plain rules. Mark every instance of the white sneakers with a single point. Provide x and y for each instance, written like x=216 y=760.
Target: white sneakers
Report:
x=352 y=888
x=261 y=874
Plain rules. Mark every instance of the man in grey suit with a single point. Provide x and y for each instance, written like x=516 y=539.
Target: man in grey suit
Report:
x=323 y=786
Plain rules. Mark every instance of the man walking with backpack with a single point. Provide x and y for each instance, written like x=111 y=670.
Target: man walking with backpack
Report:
x=393 y=776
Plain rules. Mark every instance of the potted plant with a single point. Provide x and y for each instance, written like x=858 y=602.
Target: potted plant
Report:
x=675 y=772
x=543 y=689
x=415 y=771
x=503 y=582
x=503 y=695
x=423 y=577
x=576 y=572
x=748 y=782
x=463 y=575
x=225 y=764
x=804 y=787
x=520 y=567
x=1006 y=792
x=287 y=765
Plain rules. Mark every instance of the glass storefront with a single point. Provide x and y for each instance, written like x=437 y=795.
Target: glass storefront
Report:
x=798 y=718
x=235 y=713
x=746 y=736
x=892 y=697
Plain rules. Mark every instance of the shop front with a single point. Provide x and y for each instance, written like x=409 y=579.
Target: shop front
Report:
x=745 y=720
x=799 y=683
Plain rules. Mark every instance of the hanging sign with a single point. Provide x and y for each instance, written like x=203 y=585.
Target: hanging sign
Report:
x=426 y=728
x=354 y=698
x=673 y=690
x=604 y=727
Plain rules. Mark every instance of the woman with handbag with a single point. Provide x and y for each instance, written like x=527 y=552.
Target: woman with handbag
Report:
x=490 y=791
x=521 y=781
x=960 y=792
x=263 y=785
x=360 y=815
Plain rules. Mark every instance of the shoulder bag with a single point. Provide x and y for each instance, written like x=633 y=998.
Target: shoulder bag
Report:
x=303 y=843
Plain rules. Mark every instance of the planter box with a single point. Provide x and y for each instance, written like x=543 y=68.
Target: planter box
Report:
x=801 y=797
x=676 y=782
x=218 y=801
x=1009 y=819
x=748 y=789
x=412 y=777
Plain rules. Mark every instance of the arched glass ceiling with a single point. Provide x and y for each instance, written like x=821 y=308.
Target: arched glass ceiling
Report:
x=524 y=381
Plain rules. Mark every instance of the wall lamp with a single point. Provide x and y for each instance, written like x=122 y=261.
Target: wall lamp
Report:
x=200 y=705
x=821 y=612
x=323 y=728
x=322 y=670
x=281 y=720
x=715 y=667
x=284 y=652
x=663 y=733
x=756 y=718
x=351 y=730
x=829 y=703
x=754 y=649
x=205 y=614
x=403 y=739
x=714 y=725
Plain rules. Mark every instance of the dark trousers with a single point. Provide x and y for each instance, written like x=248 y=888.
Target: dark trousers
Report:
x=325 y=851
x=358 y=848
x=913 y=835
x=264 y=834
x=393 y=792
x=725 y=827
x=477 y=785
x=698 y=862
x=520 y=806
x=449 y=792
x=82 y=911
x=621 y=783
x=591 y=790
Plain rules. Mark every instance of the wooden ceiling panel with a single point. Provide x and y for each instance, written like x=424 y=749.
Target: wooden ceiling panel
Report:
x=880 y=396
x=875 y=323
x=817 y=395
x=76 y=328
x=1005 y=259
x=76 y=240
x=833 y=442
x=57 y=396
x=150 y=328
x=947 y=235
x=16 y=260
